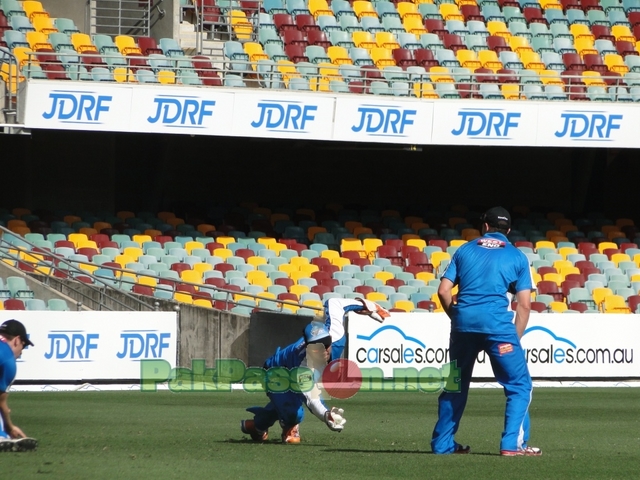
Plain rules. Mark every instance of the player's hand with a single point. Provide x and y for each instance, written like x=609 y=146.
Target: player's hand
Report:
x=334 y=419
x=16 y=432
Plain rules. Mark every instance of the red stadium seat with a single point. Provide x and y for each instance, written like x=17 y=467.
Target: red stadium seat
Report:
x=306 y=22
x=403 y=57
x=284 y=21
x=424 y=58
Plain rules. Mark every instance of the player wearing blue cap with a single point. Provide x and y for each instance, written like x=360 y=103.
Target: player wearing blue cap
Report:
x=287 y=407
x=13 y=339
x=488 y=272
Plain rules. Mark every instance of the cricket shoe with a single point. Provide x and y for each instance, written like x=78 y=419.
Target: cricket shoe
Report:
x=18 y=444
x=522 y=452
x=249 y=427
x=462 y=449
x=290 y=434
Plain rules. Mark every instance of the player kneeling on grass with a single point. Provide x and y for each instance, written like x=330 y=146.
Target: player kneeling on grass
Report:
x=322 y=342
x=287 y=407
x=13 y=339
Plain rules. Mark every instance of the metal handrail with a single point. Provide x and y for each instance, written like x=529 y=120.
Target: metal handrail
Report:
x=259 y=74
x=5 y=252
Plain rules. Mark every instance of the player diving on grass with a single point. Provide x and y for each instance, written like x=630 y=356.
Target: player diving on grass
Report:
x=322 y=342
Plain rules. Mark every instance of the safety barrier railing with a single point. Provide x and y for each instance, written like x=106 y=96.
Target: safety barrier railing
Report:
x=44 y=265
x=10 y=74
x=326 y=77
x=124 y=17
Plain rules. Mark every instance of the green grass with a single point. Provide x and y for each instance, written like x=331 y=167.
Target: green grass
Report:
x=584 y=433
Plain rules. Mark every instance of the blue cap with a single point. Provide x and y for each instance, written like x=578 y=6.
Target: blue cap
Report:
x=316 y=332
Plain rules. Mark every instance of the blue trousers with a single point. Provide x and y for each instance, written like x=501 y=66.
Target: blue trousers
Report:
x=510 y=369
x=286 y=408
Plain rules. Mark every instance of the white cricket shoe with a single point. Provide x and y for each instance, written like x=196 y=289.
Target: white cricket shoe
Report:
x=18 y=444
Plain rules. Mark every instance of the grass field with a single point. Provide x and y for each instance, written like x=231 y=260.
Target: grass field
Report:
x=586 y=433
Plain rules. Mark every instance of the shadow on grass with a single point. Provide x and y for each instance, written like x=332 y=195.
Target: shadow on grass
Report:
x=421 y=452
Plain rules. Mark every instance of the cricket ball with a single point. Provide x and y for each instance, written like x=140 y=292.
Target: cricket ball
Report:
x=342 y=378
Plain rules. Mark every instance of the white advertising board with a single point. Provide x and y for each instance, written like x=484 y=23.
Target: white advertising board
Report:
x=556 y=346
x=264 y=113
x=78 y=106
x=326 y=116
x=375 y=119
x=76 y=346
x=591 y=125
x=485 y=123
x=193 y=111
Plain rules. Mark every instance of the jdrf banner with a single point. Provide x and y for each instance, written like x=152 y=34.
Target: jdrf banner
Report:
x=556 y=346
x=76 y=346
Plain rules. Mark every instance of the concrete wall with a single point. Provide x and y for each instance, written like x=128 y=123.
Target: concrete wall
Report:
x=73 y=9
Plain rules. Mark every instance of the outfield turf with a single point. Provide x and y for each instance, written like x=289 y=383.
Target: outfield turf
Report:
x=584 y=433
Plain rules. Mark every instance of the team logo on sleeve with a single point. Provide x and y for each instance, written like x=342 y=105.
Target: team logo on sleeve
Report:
x=491 y=243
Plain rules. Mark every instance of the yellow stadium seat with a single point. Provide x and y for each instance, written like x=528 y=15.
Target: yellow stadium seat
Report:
x=585 y=46
x=499 y=29
x=420 y=243
x=553 y=277
x=468 y=58
x=622 y=33
x=33 y=9
x=38 y=41
x=559 y=264
x=127 y=45
x=510 y=91
x=602 y=246
x=166 y=77
x=376 y=297
x=183 y=297
x=241 y=26
x=424 y=90
x=276 y=247
x=256 y=275
x=330 y=254
x=438 y=257
x=616 y=258
x=223 y=253
x=296 y=275
x=489 y=59
x=288 y=70
x=299 y=289
x=565 y=251
x=308 y=267
x=615 y=304
x=320 y=7
x=145 y=280
x=82 y=43
x=299 y=261
x=545 y=244
x=413 y=25
x=551 y=77
x=382 y=57
x=580 y=30
x=133 y=252
x=531 y=60
x=371 y=245
x=255 y=52
x=406 y=305
x=599 y=293
x=43 y=24
x=363 y=39
x=76 y=238
x=202 y=267
x=550 y=4
x=558 y=307
x=340 y=262
x=616 y=63
x=256 y=260
x=353 y=245
x=384 y=276
x=364 y=8
x=224 y=240
x=387 y=40
x=440 y=74
x=288 y=268
x=339 y=55
x=191 y=276
x=450 y=11
x=408 y=9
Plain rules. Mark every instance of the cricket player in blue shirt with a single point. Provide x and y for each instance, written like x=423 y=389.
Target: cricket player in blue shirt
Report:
x=326 y=338
x=13 y=339
x=488 y=271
